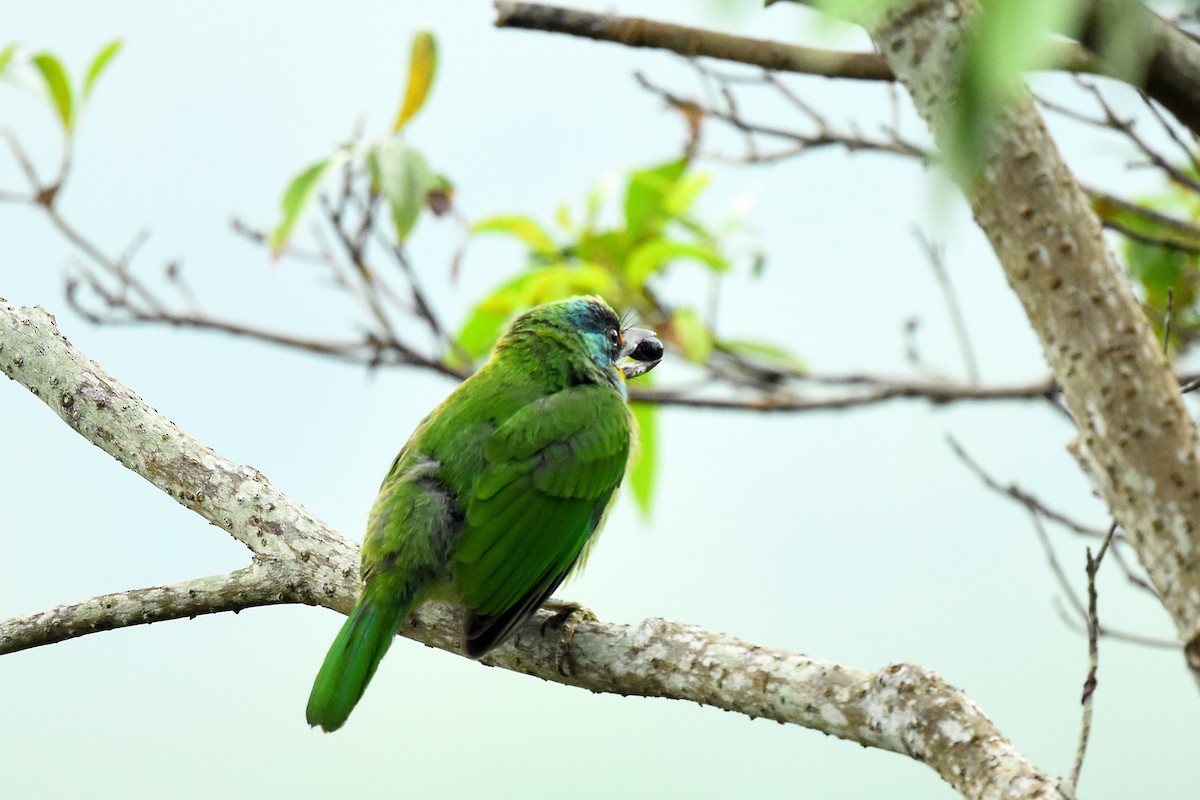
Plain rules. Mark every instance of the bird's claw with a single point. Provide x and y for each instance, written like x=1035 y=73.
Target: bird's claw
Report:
x=568 y=616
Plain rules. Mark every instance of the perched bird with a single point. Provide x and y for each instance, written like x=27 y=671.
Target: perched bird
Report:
x=494 y=498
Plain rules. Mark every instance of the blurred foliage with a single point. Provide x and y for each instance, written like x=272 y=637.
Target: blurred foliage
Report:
x=1161 y=249
x=1005 y=40
x=399 y=172
x=52 y=79
x=657 y=230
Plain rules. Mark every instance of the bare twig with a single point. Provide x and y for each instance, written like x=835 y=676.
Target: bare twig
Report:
x=1128 y=128
x=1039 y=511
x=800 y=142
x=1089 y=683
x=1170 y=232
x=935 y=256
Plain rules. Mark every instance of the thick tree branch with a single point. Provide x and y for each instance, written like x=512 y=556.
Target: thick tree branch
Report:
x=1136 y=440
x=903 y=708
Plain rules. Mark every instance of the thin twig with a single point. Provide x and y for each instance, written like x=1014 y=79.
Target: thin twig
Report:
x=1089 y=683
x=1038 y=512
x=802 y=142
x=935 y=255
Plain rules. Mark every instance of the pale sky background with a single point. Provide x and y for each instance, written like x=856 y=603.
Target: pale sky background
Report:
x=855 y=537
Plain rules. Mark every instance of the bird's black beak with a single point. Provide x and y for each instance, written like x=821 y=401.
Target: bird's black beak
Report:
x=645 y=350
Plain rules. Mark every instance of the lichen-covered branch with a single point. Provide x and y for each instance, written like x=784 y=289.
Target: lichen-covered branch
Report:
x=298 y=559
x=252 y=586
x=1136 y=439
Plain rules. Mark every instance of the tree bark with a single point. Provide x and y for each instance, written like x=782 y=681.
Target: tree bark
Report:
x=1136 y=440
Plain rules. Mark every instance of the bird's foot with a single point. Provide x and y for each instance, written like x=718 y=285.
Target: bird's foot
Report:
x=568 y=616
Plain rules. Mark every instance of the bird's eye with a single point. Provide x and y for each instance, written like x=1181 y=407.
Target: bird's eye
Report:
x=614 y=338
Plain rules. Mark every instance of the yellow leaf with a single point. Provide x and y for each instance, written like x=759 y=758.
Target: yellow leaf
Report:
x=421 y=68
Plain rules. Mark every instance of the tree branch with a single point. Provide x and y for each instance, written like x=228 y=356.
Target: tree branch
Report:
x=687 y=41
x=637 y=32
x=1172 y=72
x=1136 y=440
x=903 y=708
x=246 y=588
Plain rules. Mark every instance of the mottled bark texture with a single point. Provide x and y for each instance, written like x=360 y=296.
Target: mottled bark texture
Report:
x=298 y=559
x=1136 y=440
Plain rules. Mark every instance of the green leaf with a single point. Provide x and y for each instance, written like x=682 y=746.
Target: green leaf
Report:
x=523 y=228
x=58 y=86
x=691 y=334
x=645 y=213
x=645 y=465
x=6 y=56
x=98 y=65
x=1006 y=39
x=298 y=195
x=404 y=178
x=656 y=254
x=538 y=285
x=682 y=195
x=422 y=66
x=592 y=205
x=1159 y=270
x=562 y=216
x=609 y=249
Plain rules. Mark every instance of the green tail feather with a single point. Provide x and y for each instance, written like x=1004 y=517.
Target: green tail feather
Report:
x=351 y=661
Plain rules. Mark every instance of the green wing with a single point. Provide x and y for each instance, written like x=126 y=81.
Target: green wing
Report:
x=550 y=472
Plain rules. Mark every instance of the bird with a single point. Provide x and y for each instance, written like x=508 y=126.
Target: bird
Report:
x=496 y=496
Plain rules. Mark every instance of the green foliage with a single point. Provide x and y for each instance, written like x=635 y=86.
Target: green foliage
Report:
x=658 y=230
x=551 y=282
x=1006 y=40
x=66 y=101
x=688 y=331
x=98 y=65
x=521 y=227
x=399 y=173
x=6 y=57
x=299 y=194
x=58 y=87
x=1161 y=249
x=645 y=465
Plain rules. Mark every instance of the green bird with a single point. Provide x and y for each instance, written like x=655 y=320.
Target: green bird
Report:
x=493 y=500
